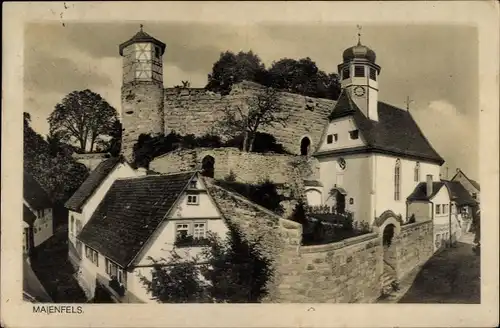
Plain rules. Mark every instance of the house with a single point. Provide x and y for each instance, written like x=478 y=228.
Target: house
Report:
x=440 y=201
x=371 y=155
x=139 y=219
x=464 y=204
x=37 y=214
x=472 y=187
x=87 y=197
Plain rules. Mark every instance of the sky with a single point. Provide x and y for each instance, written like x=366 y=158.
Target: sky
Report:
x=436 y=66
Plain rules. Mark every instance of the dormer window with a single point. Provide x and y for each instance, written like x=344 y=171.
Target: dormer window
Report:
x=354 y=134
x=373 y=74
x=345 y=73
x=359 y=71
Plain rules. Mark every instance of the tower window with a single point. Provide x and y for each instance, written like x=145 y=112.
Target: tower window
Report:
x=346 y=73
x=373 y=74
x=359 y=71
x=354 y=134
x=157 y=53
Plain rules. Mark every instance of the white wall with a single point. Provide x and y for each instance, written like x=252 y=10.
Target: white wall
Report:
x=355 y=179
x=341 y=127
x=72 y=230
x=162 y=242
x=122 y=170
x=441 y=220
x=421 y=210
x=384 y=183
x=314 y=196
x=42 y=227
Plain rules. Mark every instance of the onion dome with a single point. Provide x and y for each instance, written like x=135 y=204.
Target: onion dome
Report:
x=142 y=36
x=359 y=51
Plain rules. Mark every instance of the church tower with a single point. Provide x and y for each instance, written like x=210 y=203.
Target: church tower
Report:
x=359 y=76
x=142 y=89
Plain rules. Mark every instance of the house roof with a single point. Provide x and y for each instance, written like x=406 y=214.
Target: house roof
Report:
x=94 y=180
x=473 y=182
x=131 y=211
x=142 y=36
x=28 y=216
x=459 y=194
x=420 y=191
x=395 y=132
x=34 y=194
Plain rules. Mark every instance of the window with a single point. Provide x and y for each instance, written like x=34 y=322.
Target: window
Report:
x=474 y=195
x=199 y=230
x=438 y=209
x=329 y=138
x=373 y=74
x=354 y=134
x=417 y=172
x=92 y=255
x=335 y=137
x=445 y=208
x=192 y=185
x=78 y=226
x=111 y=268
x=181 y=230
x=397 y=180
x=359 y=71
x=72 y=226
x=345 y=73
x=157 y=53
x=192 y=199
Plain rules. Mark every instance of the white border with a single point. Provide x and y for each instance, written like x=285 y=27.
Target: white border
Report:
x=483 y=14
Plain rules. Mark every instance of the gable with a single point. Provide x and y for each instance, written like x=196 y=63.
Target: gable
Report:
x=340 y=129
x=470 y=185
x=130 y=212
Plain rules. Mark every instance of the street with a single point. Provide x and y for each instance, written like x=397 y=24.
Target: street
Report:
x=450 y=276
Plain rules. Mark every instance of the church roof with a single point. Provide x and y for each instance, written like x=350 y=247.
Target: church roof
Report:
x=359 y=51
x=395 y=132
x=130 y=212
x=142 y=36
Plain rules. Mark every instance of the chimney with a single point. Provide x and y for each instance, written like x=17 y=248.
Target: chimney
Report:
x=141 y=171
x=429 y=185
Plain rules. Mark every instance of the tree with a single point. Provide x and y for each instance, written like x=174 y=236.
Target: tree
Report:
x=232 y=270
x=303 y=77
x=263 y=110
x=82 y=116
x=232 y=68
x=51 y=164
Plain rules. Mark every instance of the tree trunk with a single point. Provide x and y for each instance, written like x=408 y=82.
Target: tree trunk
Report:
x=250 y=143
x=245 y=140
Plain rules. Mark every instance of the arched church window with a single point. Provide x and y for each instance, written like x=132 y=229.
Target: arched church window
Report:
x=304 y=146
x=397 y=180
x=417 y=172
x=208 y=166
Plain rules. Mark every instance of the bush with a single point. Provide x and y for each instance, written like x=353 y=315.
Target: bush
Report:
x=263 y=143
x=231 y=177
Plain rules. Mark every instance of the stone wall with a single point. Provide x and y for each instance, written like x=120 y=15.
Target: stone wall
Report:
x=196 y=111
x=142 y=113
x=343 y=272
x=248 y=167
x=414 y=246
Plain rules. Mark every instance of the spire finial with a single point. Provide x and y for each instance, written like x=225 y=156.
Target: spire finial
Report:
x=141 y=26
x=408 y=102
x=359 y=34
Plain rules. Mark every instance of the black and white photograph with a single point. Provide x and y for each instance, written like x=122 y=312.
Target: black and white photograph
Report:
x=169 y=161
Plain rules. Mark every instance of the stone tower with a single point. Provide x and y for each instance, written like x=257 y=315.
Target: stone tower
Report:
x=359 y=76
x=142 y=89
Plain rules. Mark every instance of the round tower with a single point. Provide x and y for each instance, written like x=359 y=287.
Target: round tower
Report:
x=142 y=90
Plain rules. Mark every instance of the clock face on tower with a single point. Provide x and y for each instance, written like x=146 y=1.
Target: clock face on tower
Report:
x=359 y=91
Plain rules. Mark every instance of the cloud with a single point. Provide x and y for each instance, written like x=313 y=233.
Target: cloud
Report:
x=452 y=134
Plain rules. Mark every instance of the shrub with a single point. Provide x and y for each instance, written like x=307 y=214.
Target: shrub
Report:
x=231 y=177
x=263 y=143
x=412 y=219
